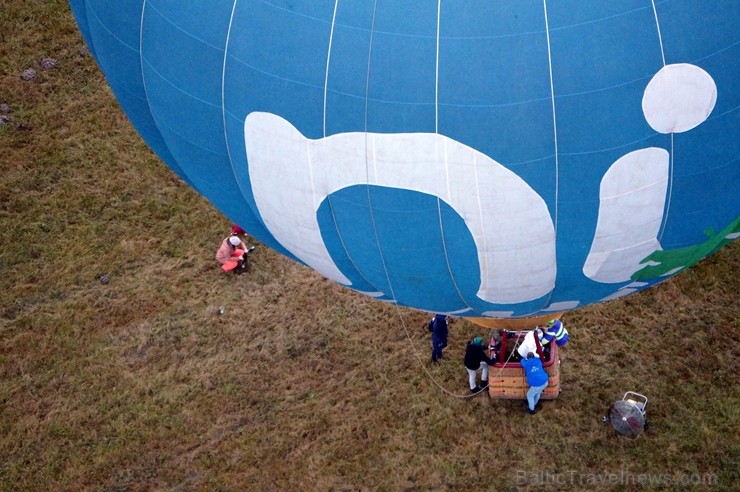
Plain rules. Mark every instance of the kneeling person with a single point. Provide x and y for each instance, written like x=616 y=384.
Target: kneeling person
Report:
x=233 y=254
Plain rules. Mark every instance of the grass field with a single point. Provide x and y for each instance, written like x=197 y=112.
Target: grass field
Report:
x=141 y=383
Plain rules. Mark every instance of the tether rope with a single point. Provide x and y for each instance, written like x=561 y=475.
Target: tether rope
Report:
x=392 y=295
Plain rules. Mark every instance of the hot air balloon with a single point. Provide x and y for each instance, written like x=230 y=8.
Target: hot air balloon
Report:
x=482 y=159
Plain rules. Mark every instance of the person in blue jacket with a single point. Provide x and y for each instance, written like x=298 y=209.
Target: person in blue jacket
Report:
x=438 y=327
x=555 y=331
x=536 y=378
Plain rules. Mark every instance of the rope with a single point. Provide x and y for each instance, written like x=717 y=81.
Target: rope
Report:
x=431 y=376
x=447 y=256
x=380 y=249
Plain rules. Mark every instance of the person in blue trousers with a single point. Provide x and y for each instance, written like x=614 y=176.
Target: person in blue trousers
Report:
x=536 y=379
x=438 y=327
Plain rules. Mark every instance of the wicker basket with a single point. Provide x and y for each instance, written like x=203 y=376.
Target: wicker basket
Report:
x=506 y=380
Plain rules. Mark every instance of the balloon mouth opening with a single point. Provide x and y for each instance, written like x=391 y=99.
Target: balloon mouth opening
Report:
x=515 y=323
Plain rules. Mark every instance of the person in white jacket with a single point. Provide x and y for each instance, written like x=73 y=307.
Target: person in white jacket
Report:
x=529 y=344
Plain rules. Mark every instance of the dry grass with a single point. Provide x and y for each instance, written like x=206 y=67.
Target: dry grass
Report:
x=140 y=384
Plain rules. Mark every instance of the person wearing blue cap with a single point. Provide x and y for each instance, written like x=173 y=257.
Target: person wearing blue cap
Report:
x=475 y=360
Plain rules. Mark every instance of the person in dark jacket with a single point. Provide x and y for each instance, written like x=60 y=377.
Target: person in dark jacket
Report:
x=476 y=359
x=438 y=326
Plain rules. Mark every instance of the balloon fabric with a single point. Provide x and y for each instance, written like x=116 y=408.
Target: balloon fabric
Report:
x=491 y=159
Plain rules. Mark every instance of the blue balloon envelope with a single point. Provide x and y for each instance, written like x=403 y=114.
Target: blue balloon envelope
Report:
x=494 y=159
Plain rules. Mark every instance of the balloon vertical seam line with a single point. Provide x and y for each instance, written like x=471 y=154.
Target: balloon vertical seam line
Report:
x=670 y=193
x=671 y=162
x=328 y=60
x=223 y=96
x=555 y=138
x=447 y=173
x=141 y=59
x=344 y=245
x=143 y=81
x=480 y=212
x=442 y=230
x=310 y=174
x=367 y=163
x=436 y=72
x=367 y=80
x=377 y=243
x=447 y=257
x=657 y=27
x=554 y=115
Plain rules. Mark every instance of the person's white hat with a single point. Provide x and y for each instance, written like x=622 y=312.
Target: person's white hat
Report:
x=234 y=241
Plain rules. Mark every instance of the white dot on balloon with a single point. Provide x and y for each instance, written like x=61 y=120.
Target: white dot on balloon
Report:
x=678 y=98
